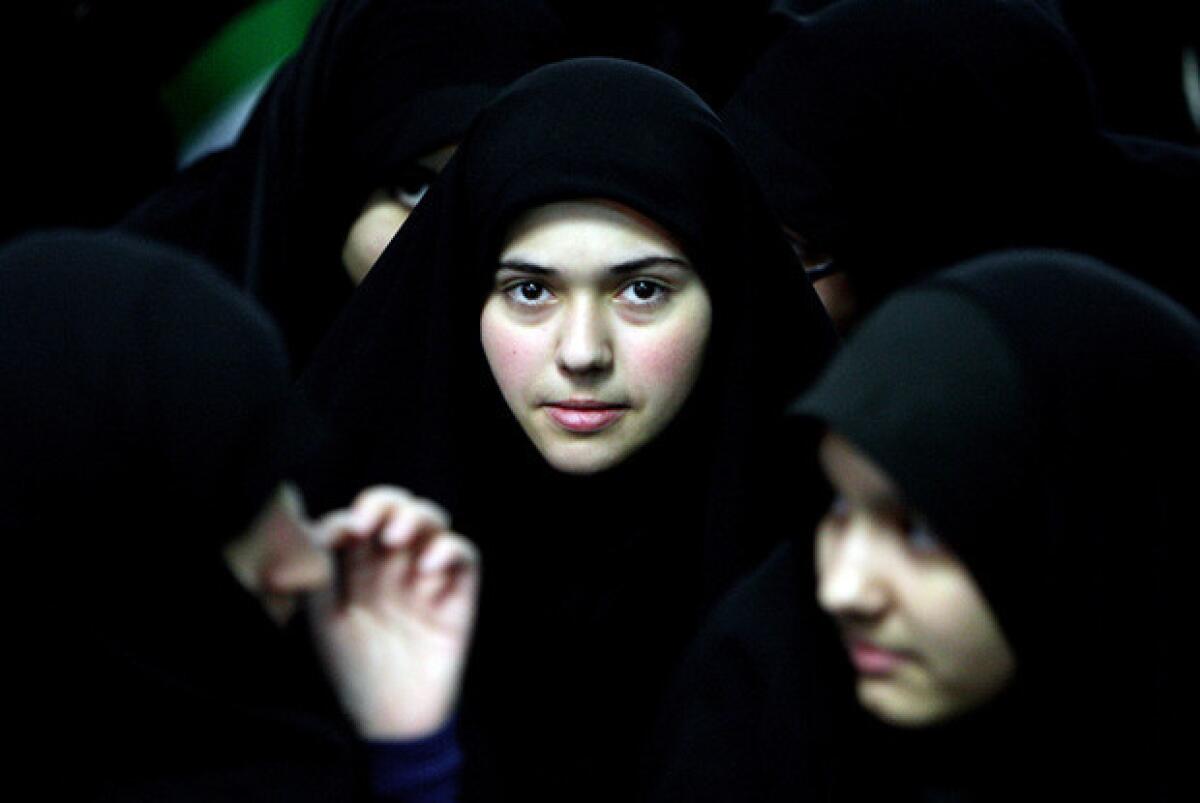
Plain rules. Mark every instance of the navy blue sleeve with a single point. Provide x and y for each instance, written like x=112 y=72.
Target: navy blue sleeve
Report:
x=426 y=770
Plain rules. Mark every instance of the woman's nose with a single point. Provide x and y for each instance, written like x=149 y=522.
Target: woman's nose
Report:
x=852 y=576
x=584 y=345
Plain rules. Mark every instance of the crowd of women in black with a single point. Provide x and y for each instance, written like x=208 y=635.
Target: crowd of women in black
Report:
x=831 y=446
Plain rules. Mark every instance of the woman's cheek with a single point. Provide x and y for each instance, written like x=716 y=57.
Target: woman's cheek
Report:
x=512 y=353
x=666 y=362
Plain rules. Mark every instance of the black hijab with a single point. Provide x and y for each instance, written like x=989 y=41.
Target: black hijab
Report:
x=902 y=137
x=143 y=398
x=1037 y=407
x=594 y=582
x=375 y=86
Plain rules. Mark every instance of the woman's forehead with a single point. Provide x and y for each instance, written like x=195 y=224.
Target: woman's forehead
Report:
x=587 y=233
x=855 y=475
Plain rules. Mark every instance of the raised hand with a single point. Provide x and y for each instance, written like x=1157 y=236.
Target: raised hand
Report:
x=395 y=625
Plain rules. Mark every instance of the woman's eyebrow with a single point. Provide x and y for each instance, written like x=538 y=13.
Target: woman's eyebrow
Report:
x=645 y=262
x=519 y=266
x=620 y=268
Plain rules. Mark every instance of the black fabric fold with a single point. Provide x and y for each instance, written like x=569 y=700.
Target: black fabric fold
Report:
x=145 y=427
x=902 y=137
x=374 y=86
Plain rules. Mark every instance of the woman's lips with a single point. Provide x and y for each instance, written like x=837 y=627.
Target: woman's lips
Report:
x=585 y=415
x=871 y=659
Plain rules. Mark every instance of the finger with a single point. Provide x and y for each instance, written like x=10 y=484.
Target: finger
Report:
x=375 y=507
x=376 y=494
x=370 y=510
x=333 y=529
x=400 y=528
x=419 y=515
x=446 y=550
x=401 y=563
x=456 y=599
x=453 y=564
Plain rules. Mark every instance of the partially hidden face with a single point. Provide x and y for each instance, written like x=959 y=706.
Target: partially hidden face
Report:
x=595 y=331
x=276 y=559
x=829 y=281
x=922 y=638
x=386 y=210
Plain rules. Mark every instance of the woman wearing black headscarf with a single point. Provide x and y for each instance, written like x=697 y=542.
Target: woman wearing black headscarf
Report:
x=999 y=563
x=615 y=492
x=343 y=143
x=145 y=444
x=900 y=137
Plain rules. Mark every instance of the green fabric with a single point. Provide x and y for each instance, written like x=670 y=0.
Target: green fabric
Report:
x=247 y=48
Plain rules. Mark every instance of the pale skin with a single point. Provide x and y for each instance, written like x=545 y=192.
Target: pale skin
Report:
x=920 y=634
x=595 y=331
x=392 y=596
x=386 y=210
x=395 y=625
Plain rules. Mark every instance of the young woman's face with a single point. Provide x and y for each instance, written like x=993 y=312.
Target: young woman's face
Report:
x=386 y=211
x=595 y=332
x=920 y=635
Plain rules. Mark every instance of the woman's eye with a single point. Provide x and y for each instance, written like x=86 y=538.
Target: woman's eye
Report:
x=819 y=269
x=409 y=195
x=412 y=185
x=921 y=536
x=837 y=515
x=839 y=508
x=528 y=293
x=817 y=262
x=643 y=292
